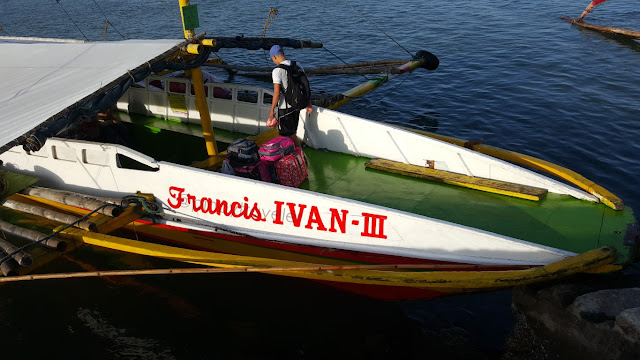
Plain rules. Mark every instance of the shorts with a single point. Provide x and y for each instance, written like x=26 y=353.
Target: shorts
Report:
x=288 y=121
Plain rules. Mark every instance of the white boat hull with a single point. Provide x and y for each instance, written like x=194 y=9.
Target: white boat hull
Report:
x=208 y=200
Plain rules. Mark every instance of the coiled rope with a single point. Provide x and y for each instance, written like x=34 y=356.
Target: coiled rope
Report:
x=148 y=206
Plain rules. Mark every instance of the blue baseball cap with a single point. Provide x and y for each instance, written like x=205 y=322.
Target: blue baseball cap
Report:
x=275 y=50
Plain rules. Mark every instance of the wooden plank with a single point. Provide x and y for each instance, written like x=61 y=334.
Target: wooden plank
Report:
x=606 y=29
x=471 y=182
x=605 y=196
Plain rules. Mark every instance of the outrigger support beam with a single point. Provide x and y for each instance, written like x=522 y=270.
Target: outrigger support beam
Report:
x=423 y=59
x=256 y=43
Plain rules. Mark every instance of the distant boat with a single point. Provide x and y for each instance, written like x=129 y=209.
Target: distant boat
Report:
x=604 y=29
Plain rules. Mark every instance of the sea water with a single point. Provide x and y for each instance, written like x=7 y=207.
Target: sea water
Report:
x=511 y=73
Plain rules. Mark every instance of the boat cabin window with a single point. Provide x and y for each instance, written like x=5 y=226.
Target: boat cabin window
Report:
x=250 y=96
x=126 y=162
x=177 y=87
x=222 y=93
x=156 y=85
x=267 y=99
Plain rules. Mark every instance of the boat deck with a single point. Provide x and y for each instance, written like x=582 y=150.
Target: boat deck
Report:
x=556 y=221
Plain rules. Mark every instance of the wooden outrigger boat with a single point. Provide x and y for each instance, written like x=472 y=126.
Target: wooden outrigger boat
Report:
x=631 y=34
x=365 y=219
x=603 y=29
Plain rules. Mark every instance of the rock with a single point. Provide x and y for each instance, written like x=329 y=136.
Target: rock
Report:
x=562 y=294
x=603 y=305
x=572 y=332
x=628 y=323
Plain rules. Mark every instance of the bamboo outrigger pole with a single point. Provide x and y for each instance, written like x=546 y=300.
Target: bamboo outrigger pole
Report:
x=198 y=87
x=423 y=59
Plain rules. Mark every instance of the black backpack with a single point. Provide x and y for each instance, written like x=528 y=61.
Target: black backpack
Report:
x=243 y=152
x=297 y=94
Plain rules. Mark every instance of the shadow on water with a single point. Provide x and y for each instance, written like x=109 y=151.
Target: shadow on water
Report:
x=259 y=317
x=620 y=39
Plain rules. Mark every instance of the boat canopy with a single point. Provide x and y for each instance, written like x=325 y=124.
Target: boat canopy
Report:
x=41 y=78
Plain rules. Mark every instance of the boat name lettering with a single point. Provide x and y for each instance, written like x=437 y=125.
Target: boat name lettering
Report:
x=299 y=215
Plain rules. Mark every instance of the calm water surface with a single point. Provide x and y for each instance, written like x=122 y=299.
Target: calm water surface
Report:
x=511 y=73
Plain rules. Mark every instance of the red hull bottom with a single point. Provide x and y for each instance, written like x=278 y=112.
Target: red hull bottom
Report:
x=224 y=243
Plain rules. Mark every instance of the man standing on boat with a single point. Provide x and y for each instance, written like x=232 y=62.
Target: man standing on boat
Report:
x=288 y=115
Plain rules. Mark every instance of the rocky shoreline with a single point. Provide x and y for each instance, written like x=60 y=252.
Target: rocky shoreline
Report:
x=588 y=317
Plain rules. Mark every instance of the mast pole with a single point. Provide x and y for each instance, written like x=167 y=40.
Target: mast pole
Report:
x=201 y=100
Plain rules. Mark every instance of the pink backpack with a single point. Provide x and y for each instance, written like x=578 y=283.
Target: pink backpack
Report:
x=274 y=149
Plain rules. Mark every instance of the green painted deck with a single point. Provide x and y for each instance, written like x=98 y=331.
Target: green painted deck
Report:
x=557 y=221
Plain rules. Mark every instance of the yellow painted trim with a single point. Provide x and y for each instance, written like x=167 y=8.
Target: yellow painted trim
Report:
x=209 y=42
x=170 y=252
x=467 y=281
x=471 y=182
x=570 y=176
x=194 y=49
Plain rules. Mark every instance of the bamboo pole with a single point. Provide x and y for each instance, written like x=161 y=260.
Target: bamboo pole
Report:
x=32 y=235
x=374 y=67
x=175 y=271
x=201 y=101
x=49 y=214
x=8 y=268
x=22 y=258
x=423 y=59
x=73 y=199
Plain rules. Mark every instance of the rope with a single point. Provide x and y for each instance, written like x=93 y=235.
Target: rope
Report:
x=4 y=30
x=74 y=23
x=273 y=13
x=9 y=256
x=108 y=22
x=171 y=13
x=149 y=206
x=344 y=62
x=377 y=27
x=394 y=89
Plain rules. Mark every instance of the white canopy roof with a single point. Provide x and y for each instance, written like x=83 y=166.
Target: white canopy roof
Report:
x=40 y=78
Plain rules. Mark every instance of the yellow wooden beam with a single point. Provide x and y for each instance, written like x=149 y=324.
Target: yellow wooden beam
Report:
x=471 y=182
x=443 y=281
x=264 y=136
x=605 y=196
